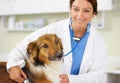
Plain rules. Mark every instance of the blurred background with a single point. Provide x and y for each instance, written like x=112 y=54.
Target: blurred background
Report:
x=18 y=18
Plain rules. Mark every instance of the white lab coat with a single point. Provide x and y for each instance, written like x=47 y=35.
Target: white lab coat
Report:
x=93 y=62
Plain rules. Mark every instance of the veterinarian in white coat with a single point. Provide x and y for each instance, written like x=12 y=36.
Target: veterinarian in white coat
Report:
x=74 y=29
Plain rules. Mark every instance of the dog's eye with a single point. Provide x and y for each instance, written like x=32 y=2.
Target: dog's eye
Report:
x=56 y=41
x=45 y=46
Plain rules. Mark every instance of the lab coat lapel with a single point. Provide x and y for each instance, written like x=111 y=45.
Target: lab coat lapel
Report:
x=86 y=61
x=67 y=47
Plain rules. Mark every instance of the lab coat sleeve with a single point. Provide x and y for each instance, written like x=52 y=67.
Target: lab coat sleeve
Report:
x=18 y=55
x=95 y=71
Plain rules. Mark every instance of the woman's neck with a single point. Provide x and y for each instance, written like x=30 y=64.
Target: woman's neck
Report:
x=79 y=32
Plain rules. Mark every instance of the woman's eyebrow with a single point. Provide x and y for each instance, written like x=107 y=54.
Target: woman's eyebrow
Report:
x=84 y=8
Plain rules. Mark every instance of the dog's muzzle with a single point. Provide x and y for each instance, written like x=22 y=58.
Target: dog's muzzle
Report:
x=57 y=57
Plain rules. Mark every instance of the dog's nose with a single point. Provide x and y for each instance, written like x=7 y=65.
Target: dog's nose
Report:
x=59 y=54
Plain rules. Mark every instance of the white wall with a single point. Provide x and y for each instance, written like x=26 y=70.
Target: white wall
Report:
x=111 y=32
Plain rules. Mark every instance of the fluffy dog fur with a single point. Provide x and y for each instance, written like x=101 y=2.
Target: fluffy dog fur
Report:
x=44 y=63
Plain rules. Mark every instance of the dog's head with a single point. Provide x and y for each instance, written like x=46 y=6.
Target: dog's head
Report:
x=45 y=49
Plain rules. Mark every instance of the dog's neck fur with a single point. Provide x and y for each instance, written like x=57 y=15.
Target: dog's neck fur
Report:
x=50 y=71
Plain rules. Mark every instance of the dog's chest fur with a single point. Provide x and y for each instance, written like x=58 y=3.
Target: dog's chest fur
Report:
x=50 y=71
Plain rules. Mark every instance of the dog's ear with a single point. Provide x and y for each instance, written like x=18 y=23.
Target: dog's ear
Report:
x=31 y=47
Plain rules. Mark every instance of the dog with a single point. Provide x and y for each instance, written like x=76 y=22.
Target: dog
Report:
x=45 y=59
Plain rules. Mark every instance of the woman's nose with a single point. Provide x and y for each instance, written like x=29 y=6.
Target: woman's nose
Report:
x=80 y=14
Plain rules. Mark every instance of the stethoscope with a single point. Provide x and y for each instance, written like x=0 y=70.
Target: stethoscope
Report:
x=73 y=47
x=74 y=38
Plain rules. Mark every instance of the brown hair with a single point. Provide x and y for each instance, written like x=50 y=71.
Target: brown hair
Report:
x=93 y=2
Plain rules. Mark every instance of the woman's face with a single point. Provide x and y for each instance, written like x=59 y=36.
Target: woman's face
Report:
x=81 y=13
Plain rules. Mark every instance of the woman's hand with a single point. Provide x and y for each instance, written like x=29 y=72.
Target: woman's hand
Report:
x=17 y=74
x=64 y=78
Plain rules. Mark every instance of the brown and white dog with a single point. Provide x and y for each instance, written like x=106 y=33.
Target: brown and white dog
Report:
x=44 y=63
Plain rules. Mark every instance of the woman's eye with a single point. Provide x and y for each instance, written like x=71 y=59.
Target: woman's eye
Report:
x=75 y=9
x=45 y=46
x=86 y=11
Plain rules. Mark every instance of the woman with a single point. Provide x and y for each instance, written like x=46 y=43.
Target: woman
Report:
x=84 y=48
